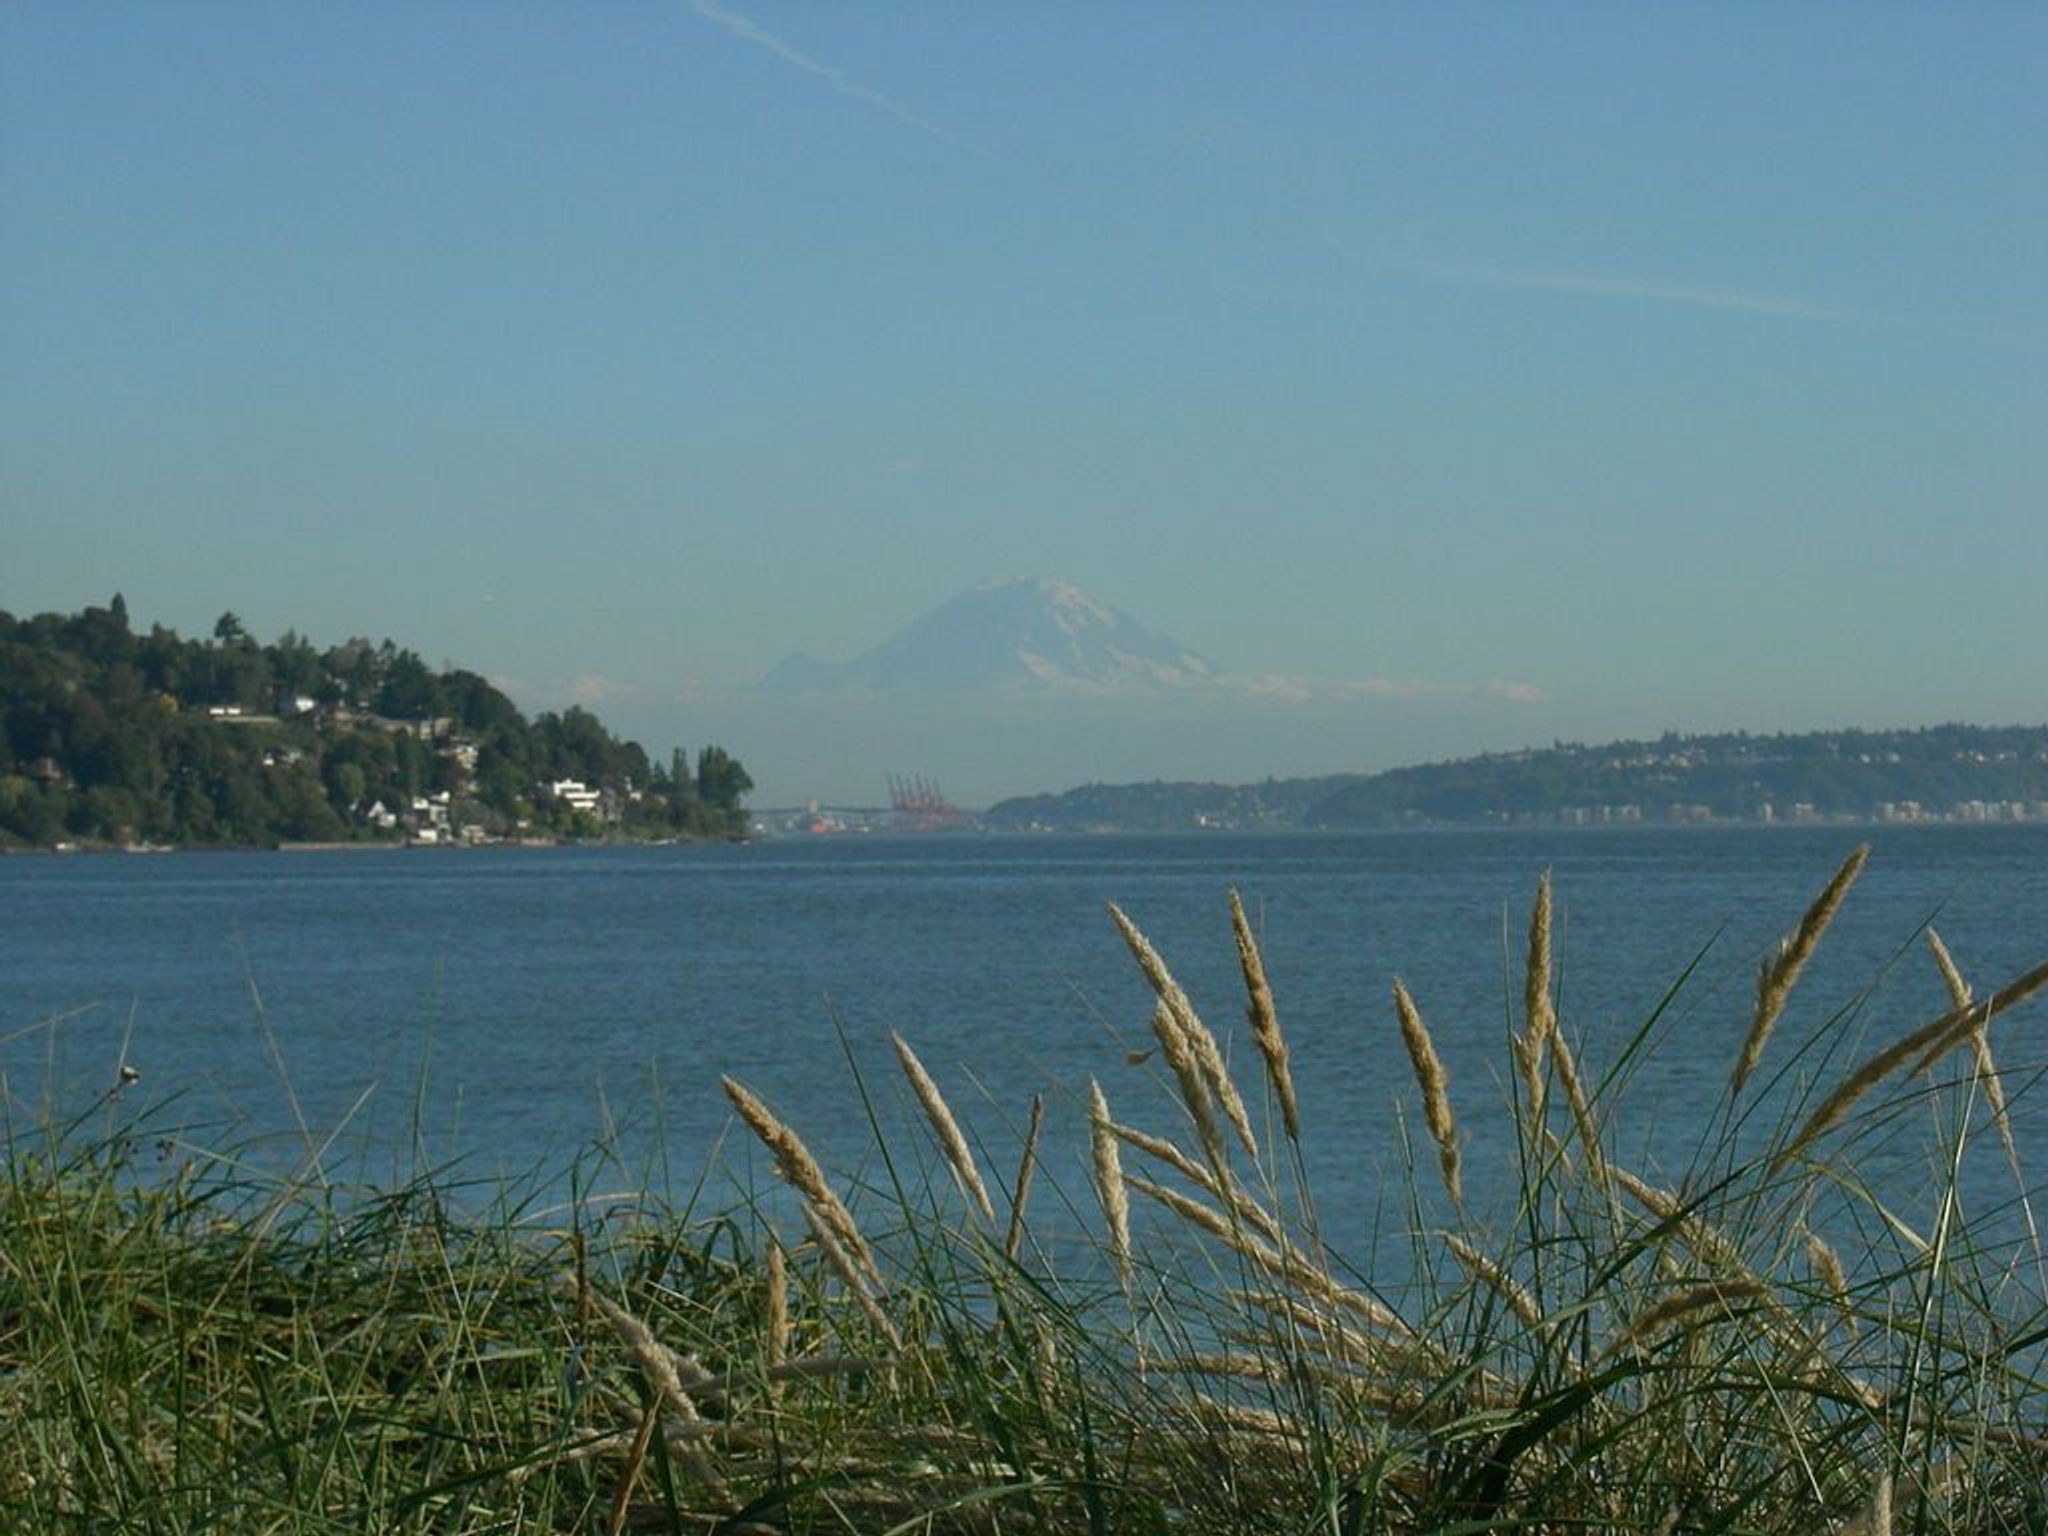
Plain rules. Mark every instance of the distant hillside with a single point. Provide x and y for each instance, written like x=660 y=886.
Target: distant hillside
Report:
x=1167 y=807
x=109 y=736
x=1957 y=772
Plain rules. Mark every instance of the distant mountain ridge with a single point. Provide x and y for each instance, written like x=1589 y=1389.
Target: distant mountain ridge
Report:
x=1025 y=635
x=1946 y=772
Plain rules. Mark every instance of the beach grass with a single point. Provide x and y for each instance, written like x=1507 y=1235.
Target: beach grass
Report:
x=1765 y=1340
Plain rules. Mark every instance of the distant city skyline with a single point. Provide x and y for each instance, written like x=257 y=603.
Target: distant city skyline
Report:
x=1675 y=369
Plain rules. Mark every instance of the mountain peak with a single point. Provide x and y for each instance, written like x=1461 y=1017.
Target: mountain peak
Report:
x=1015 y=635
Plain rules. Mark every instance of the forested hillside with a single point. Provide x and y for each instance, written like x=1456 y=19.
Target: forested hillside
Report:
x=1945 y=772
x=1167 y=806
x=108 y=736
x=1960 y=772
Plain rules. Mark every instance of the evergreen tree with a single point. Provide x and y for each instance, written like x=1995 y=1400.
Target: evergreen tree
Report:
x=106 y=736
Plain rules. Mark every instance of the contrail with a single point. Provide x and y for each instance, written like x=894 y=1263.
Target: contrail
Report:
x=1605 y=286
x=747 y=32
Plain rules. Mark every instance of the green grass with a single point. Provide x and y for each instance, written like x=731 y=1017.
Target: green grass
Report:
x=190 y=1345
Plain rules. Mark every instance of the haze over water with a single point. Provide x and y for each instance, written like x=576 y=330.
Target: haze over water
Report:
x=1456 y=378
x=510 y=1009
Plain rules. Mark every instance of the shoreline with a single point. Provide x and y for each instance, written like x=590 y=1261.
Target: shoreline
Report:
x=1866 y=824
x=105 y=850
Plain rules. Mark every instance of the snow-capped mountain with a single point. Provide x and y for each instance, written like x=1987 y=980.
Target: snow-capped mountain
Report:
x=1017 y=636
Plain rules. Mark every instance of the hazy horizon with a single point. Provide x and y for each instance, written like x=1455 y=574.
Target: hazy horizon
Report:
x=1455 y=380
x=985 y=746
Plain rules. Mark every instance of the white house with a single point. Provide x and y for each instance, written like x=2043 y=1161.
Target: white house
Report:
x=575 y=794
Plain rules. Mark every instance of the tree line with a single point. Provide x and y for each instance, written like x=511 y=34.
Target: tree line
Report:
x=112 y=736
x=1726 y=776
x=1937 y=770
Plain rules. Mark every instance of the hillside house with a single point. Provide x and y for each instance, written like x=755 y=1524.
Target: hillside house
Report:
x=575 y=794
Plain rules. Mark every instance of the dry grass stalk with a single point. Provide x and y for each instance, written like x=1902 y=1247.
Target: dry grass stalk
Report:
x=1875 y=1518
x=1435 y=1085
x=1827 y=1269
x=580 y=1246
x=1164 y=1151
x=842 y=1264
x=1109 y=1181
x=831 y=1365
x=1208 y=1056
x=1686 y=1304
x=1027 y=1164
x=1212 y=1221
x=1216 y=1073
x=1539 y=1016
x=1264 y=1021
x=582 y=1443
x=1496 y=1279
x=1958 y=989
x=1375 y=1314
x=1340 y=1342
x=1581 y=1106
x=636 y=1458
x=1977 y=1018
x=717 y=1432
x=1281 y=1260
x=1251 y=1367
x=1987 y=1074
x=1528 y=1064
x=1243 y=1419
x=1703 y=1240
x=1179 y=1052
x=659 y=1365
x=776 y=1281
x=944 y=1126
x=1780 y=973
x=1045 y=1362
x=1980 y=1044
x=801 y=1172
x=1227 y=1190
x=1935 y=1038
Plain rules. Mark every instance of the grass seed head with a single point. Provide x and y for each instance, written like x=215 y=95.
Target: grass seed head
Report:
x=663 y=1371
x=1109 y=1181
x=1780 y=973
x=801 y=1172
x=1264 y=1021
x=1497 y=1280
x=1179 y=1052
x=1690 y=1306
x=1027 y=1164
x=775 y=1281
x=1208 y=1056
x=1581 y=1104
x=1935 y=1039
x=1826 y=1265
x=1958 y=989
x=1538 y=1014
x=944 y=1126
x=842 y=1264
x=1221 y=1186
x=1875 y=1518
x=1434 y=1082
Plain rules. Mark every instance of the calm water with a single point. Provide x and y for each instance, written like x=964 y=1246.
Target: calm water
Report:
x=512 y=1007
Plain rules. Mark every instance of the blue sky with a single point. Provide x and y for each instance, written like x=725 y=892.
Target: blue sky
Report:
x=1687 y=364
